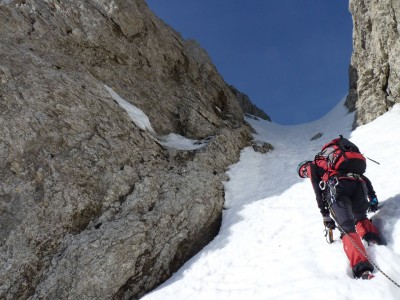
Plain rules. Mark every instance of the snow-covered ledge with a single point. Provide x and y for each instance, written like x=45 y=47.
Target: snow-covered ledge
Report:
x=172 y=140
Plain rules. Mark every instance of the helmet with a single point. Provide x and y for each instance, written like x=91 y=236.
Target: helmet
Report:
x=301 y=168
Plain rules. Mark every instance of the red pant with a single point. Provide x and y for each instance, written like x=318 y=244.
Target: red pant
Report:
x=365 y=226
x=355 y=251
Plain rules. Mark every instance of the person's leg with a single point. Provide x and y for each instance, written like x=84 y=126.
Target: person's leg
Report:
x=343 y=214
x=359 y=201
x=368 y=231
x=342 y=208
x=364 y=226
x=355 y=251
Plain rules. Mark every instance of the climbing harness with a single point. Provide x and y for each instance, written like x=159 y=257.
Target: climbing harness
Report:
x=328 y=231
x=331 y=183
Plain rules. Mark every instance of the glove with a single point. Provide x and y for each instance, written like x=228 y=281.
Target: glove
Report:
x=373 y=205
x=328 y=222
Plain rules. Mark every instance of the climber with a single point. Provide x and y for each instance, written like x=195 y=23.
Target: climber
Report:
x=344 y=196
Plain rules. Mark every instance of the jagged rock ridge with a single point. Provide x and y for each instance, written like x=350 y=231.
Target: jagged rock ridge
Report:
x=247 y=106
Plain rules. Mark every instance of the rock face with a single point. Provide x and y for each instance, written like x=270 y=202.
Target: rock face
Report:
x=92 y=206
x=375 y=63
x=247 y=106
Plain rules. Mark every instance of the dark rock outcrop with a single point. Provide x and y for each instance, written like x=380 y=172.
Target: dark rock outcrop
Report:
x=92 y=206
x=247 y=106
x=375 y=63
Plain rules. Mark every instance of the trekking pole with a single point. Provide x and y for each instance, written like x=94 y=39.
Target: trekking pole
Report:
x=373 y=160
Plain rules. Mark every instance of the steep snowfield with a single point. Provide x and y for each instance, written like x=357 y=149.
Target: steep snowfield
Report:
x=272 y=245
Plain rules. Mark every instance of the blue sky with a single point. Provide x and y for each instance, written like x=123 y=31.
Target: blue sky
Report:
x=290 y=57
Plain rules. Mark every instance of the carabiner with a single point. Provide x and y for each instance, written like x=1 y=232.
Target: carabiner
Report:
x=322 y=185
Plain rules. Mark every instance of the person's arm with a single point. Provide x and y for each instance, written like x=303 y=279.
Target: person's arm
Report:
x=315 y=177
x=373 y=200
x=370 y=188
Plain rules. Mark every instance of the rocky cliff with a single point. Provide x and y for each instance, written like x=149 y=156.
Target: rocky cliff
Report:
x=247 y=106
x=375 y=62
x=93 y=206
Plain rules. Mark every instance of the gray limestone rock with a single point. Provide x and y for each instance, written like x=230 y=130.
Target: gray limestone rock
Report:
x=375 y=63
x=91 y=205
x=247 y=106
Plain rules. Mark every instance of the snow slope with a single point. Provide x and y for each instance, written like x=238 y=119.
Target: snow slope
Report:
x=272 y=245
